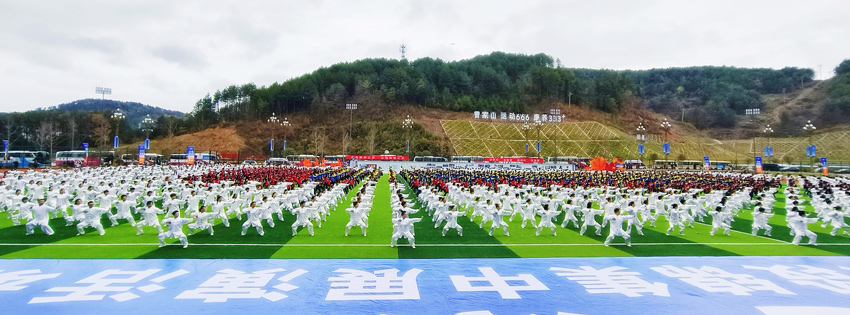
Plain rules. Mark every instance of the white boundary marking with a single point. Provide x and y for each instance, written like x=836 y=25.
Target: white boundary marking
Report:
x=420 y=245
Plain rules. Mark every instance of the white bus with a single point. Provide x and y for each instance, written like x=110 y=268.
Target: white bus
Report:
x=468 y=159
x=200 y=158
x=21 y=156
x=721 y=165
x=78 y=158
x=664 y=165
x=429 y=159
x=562 y=159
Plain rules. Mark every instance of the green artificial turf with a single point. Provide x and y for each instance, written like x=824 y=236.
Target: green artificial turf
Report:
x=329 y=241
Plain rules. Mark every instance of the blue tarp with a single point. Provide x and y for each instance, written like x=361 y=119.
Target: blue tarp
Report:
x=627 y=285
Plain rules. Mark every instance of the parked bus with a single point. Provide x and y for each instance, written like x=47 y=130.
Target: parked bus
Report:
x=29 y=156
x=429 y=159
x=300 y=157
x=150 y=159
x=334 y=158
x=200 y=158
x=634 y=165
x=664 y=164
x=77 y=158
x=468 y=159
x=721 y=165
x=562 y=159
x=690 y=165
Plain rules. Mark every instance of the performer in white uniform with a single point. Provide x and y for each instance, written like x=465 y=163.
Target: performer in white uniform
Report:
x=451 y=220
x=149 y=218
x=40 y=217
x=496 y=214
x=91 y=218
x=404 y=229
x=302 y=219
x=760 y=222
x=616 y=221
x=175 y=229
x=253 y=215
x=800 y=226
x=203 y=221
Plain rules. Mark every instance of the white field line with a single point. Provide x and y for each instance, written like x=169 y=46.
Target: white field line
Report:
x=745 y=233
x=420 y=245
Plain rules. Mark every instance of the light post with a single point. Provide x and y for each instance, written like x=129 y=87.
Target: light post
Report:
x=556 y=112
x=285 y=125
x=525 y=128
x=274 y=122
x=147 y=126
x=666 y=126
x=641 y=136
x=407 y=125
x=350 y=107
x=768 y=131
x=809 y=128
x=537 y=125
x=753 y=112
x=117 y=115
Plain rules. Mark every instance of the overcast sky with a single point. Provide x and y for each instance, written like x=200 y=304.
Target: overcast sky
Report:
x=171 y=53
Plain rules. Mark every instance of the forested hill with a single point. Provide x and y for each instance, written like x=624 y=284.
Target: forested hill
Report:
x=511 y=82
x=134 y=112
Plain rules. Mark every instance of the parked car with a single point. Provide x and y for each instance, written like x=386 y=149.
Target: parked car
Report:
x=276 y=161
x=841 y=171
x=249 y=162
x=789 y=168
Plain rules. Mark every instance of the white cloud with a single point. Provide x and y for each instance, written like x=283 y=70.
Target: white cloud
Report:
x=170 y=53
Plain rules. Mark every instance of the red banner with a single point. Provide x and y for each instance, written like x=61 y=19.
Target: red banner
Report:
x=513 y=160
x=377 y=157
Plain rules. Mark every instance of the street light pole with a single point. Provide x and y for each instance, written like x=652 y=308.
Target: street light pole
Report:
x=537 y=125
x=148 y=123
x=285 y=125
x=407 y=125
x=768 y=131
x=810 y=128
x=666 y=126
x=753 y=112
x=350 y=107
x=274 y=122
x=641 y=136
x=556 y=112
x=525 y=128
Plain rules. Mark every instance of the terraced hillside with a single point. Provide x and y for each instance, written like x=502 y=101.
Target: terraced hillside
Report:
x=589 y=138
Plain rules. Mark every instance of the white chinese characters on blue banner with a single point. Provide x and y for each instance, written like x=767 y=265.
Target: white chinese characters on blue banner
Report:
x=747 y=285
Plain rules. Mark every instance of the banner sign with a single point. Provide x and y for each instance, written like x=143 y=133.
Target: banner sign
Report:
x=147 y=144
x=601 y=285
x=86 y=148
x=271 y=145
x=377 y=157
x=513 y=160
x=115 y=142
x=758 y=165
x=707 y=163
x=190 y=155
x=284 y=145
x=407 y=146
x=825 y=166
x=5 y=149
x=141 y=154
x=538 y=146
x=641 y=149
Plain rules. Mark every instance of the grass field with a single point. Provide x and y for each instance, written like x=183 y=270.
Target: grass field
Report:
x=330 y=242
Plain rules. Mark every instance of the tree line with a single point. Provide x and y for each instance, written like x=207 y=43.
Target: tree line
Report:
x=708 y=96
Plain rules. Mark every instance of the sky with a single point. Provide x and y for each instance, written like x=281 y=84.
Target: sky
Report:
x=169 y=53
